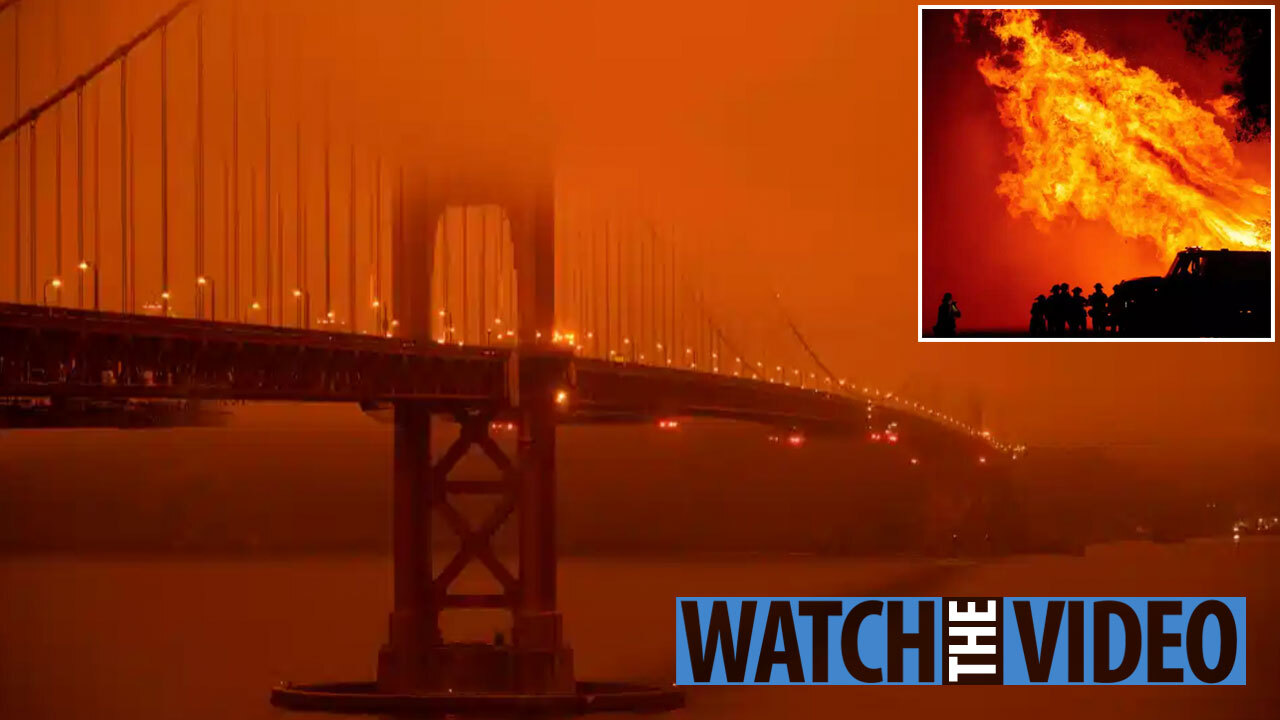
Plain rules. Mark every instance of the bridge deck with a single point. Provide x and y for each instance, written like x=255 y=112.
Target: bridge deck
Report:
x=78 y=353
x=63 y=353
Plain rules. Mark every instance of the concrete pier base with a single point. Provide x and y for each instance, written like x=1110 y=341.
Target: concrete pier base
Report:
x=585 y=697
x=477 y=668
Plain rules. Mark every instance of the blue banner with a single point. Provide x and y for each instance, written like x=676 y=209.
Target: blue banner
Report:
x=960 y=641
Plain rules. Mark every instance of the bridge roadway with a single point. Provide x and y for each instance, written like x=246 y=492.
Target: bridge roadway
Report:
x=65 y=353
x=75 y=355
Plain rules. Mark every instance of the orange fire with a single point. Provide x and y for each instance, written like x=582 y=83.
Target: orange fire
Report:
x=1111 y=142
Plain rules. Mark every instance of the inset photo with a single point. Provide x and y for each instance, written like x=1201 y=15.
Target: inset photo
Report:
x=1096 y=174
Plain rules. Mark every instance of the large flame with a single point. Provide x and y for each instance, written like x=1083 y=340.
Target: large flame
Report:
x=1111 y=142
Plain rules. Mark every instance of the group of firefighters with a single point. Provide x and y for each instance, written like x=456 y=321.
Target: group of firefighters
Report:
x=1064 y=311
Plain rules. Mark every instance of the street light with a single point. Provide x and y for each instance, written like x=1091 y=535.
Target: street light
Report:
x=302 y=306
x=55 y=283
x=164 y=298
x=84 y=266
x=449 y=328
x=201 y=282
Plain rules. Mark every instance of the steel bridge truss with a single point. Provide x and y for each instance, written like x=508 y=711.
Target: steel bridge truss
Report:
x=57 y=352
x=475 y=543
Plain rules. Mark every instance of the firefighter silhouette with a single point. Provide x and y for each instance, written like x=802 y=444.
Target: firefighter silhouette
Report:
x=948 y=311
x=1076 y=311
x=1039 y=324
x=1098 y=309
x=1115 y=310
x=1057 y=310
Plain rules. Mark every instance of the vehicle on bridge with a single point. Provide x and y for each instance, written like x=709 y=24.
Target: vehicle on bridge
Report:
x=1205 y=293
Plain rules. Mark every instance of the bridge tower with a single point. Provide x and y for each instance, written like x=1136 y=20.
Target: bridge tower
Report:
x=415 y=658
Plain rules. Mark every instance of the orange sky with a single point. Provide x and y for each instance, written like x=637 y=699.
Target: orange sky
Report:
x=778 y=139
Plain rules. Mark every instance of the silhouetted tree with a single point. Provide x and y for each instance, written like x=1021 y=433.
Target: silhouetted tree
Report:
x=1244 y=38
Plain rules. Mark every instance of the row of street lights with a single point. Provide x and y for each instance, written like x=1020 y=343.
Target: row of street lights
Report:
x=204 y=283
x=56 y=284
x=302 y=300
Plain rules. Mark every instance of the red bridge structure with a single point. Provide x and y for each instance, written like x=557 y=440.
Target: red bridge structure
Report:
x=499 y=352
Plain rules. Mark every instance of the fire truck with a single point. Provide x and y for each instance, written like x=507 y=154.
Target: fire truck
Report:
x=1205 y=293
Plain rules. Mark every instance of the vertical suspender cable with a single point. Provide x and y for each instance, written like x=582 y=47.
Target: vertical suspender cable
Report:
x=398 y=239
x=228 y=311
x=447 y=323
x=619 y=309
x=97 y=192
x=253 y=240
x=377 y=241
x=238 y=310
x=462 y=307
x=133 y=225
x=328 y=222
x=57 y=146
x=199 y=169
x=164 y=167
x=80 y=195
x=608 y=311
x=274 y=284
x=124 y=184
x=17 y=155
x=266 y=177
x=351 y=246
x=31 y=138
x=299 y=229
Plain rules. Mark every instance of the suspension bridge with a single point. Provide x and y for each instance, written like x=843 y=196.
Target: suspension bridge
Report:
x=170 y=243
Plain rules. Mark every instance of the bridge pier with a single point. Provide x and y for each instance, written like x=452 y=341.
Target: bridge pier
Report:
x=418 y=671
x=538 y=631
x=415 y=615
x=416 y=659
